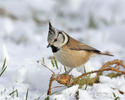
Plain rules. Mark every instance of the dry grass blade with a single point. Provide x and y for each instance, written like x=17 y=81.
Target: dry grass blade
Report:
x=43 y=64
x=48 y=68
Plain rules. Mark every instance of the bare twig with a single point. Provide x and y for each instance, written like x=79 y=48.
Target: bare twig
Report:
x=50 y=84
x=68 y=80
x=56 y=87
x=102 y=70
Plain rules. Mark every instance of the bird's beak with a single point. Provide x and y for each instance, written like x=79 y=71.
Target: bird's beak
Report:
x=48 y=45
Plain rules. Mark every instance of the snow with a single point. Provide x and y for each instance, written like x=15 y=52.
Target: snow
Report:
x=23 y=41
x=67 y=94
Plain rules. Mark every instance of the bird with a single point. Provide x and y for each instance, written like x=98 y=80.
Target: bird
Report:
x=69 y=51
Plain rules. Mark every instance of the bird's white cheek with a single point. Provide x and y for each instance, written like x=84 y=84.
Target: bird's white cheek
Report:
x=57 y=44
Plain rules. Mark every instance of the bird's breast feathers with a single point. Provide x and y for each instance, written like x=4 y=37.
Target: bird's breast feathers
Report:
x=72 y=58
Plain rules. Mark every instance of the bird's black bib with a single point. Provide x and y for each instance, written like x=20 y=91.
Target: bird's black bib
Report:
x=54 y=49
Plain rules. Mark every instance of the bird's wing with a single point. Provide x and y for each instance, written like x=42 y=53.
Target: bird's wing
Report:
x=84 y=47
x=76 y=45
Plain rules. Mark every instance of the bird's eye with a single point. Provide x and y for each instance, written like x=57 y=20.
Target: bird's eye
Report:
x=60 y=33
x=55 y=40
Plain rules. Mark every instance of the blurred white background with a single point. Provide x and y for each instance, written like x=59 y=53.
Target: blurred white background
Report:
x=24 y=30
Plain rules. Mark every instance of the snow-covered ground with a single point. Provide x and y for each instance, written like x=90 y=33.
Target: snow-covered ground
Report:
x=23 y=41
